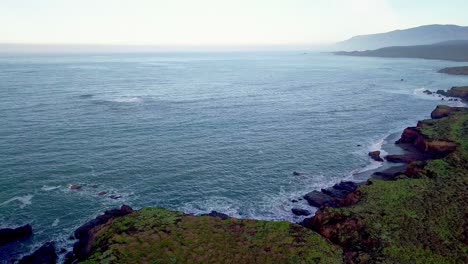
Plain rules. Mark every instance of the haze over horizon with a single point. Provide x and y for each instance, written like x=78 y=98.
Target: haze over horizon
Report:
x=181 y=23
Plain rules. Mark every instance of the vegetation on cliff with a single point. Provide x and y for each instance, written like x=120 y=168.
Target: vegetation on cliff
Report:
x=420 y=216
x=160 y=236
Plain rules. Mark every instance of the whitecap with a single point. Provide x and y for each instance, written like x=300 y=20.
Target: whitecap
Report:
x=56 y=222
x=377 y=146
x=24 y=200
x=49 y=188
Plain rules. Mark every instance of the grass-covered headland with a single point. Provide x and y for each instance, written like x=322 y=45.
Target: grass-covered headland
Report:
x=421 y=216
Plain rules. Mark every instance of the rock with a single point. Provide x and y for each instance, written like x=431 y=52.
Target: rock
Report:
x=428 y=92
x=74 y=187
x=298 y=173
x=8 y=235
x=44 y=255
x=217 y=214
x=294 y=201
x=102 y=193
x=300 y=212
x=442 y=111
x=406 y=158
x=115 y=196
x=347 y=186
x=319 y=199
x=85 y=233
x=434 y=148
x=375 y=155
x=459 y=92
x=335 y=192
x=389 y=174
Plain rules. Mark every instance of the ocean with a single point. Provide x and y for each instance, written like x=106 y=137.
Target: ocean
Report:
x=193 y=132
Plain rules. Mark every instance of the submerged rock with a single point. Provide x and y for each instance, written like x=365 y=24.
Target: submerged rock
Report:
x=46 y=254
x=300 y=212
x=375 y=155
x=74 y=187
x=8 y=235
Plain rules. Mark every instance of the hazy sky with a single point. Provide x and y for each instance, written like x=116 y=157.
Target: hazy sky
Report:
x=215 y=22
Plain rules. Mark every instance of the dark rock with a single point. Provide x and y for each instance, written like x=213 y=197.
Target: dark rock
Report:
x=335 y=192
x=300 y=212
x=84 y=233
x=319 y=199
x=298 y=173
x=44 y=255
x=294 y=201
x=428 y=92
x=102 y=193
x=217 y=214
x=375 y=155
x=115 y=196
x=8 y=235
x=459 y=92
x=389 y=174
x=406 y=158
x=74 y=187
x=347 y=186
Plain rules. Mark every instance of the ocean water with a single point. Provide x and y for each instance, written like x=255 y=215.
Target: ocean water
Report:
x=193 y=131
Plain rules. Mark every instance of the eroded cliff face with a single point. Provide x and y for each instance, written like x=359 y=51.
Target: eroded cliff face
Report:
x=419 y=217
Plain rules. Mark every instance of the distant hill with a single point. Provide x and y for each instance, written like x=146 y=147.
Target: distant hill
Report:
x=423 y=35
x=449 y=50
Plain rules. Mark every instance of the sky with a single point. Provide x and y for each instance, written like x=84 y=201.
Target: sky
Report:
x=215 y=22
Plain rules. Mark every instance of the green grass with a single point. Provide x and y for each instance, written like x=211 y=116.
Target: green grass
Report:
x=417 y=219
x=161 y=236
x=422 y=219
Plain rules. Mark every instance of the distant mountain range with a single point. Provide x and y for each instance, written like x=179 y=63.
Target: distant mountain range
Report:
x=448 y=50
x=423 y=35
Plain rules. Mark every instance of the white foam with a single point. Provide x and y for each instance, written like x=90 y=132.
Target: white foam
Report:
x=50 y=188
x=377 y=146
x=24 y=200
x=56 y=222
x=218 y=204
x=125 y=99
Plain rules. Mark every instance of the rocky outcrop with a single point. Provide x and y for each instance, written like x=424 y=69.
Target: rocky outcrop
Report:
x=436 y=148
x=405 y=158
x=389 y=174
x=375 y=155
x=86 y=233
x=348 y=232
x=8 y=235
x=46 y=254
x=300 y=212
x=459 y=92
x=442 y=111
x=340 y=194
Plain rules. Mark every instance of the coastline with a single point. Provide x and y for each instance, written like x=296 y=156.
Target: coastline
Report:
x=353 y=195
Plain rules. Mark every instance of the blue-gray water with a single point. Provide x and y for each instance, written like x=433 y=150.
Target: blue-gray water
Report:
x=192 y=132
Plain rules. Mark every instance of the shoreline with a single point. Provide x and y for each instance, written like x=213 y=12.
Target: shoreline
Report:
x=342 y=196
